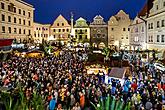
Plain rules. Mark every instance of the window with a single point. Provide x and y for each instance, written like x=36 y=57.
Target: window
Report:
x=38 y=35
x=59 y=30
x=62 y=24
x=54 y=36
x=123 y=29
x=76 y=30
x=142 y=29
x=163 y=4
x=151 y=38
x=85 y=36
x=29 y=23
x=23 y=22
x=29 y=32
x=9 y=8
x=2 y=6
x=3 y=29
x=80 y=37
x=162 y=38
x=157 y=24
x=151 y=26
x=9 y=18
x=19 y=31
x=34 y=34
x=67 y=30
x=57 y=24
x=23 y=12
x=122 y=37
x=41 y=35
x=3 y=17
x=19 y=21
x=158 y=38
x=136 y=39
x=19 y=11
x=14 y=9
x=162 y=23
x=29 y=14
x=126 y=37
x=63 y=30
x=128 y=29
x=9 y=29
x=54 y=30
x=15 y=30
x=112 y=29
x=157 y=7
x=85 y=30
x=15 y=20
x=24 y=31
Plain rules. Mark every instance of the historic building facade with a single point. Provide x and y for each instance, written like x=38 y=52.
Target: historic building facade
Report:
x=138 y=34
x=156 y=26
x=16 y=20
x=60 y=30
x=41 y=32
x=81 y=31
x=98 y=32
x=118 y=30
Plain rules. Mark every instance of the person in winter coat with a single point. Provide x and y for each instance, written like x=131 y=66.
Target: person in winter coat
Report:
x=52 y=104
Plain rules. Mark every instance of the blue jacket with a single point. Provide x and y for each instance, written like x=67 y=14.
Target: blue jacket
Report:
x=52 y=104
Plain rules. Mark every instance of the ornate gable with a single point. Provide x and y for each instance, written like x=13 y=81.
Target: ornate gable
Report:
x=81 y=22
x=60 y=21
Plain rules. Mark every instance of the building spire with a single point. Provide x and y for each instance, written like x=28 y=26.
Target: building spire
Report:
x=71 y=20
x=72 y=31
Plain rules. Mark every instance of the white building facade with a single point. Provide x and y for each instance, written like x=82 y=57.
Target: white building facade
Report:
x=156 y=26
x=41 y=32
x=138 y=34
x=16 y=20
x=118 y=30
x=60 y=30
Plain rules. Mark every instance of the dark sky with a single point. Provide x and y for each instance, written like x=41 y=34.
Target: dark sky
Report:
x=47 y=10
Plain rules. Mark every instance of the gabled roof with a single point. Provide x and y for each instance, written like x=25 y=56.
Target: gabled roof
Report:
x=145 y=10
x=98 y=17
x=81 y=19
x=59 y=19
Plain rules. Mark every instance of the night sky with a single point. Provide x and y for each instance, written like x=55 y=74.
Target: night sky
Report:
x=47 y=10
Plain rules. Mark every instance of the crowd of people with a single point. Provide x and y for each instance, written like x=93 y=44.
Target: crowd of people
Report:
x=64 y=84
